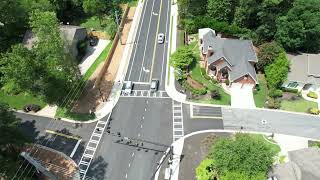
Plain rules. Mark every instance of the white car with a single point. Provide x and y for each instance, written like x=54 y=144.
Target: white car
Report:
x=160 y=38
x=154 y=85
x=128 y=87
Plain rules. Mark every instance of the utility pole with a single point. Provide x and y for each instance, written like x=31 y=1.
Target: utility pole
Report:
x=119 y=28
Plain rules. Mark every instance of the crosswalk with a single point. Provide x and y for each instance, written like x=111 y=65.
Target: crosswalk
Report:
x=177 y=120
x=205 y=112
x=145 y=93
x=91 y=147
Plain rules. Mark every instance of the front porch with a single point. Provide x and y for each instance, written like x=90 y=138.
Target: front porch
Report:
x=221 y=75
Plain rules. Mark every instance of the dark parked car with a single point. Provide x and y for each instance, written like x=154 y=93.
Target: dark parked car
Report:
x=93 y=40
x=31 y=107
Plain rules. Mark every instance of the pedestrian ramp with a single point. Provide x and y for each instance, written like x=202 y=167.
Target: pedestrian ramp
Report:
x=207 y=112
x=145 y=94
x=91 y=147
x=177 y=114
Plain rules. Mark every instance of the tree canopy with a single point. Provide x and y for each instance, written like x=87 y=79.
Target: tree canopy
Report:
x=47 y=69
x=268 y=52
x=277 y=72
x=181 y=60
x=243 y=154
x=300 y=28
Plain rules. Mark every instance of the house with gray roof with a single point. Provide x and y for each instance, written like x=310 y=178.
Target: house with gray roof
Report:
x=69 y=33
x=304 y=71
x=304 y=164
x=227 y=59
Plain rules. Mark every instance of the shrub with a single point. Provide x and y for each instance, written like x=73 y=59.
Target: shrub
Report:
x=193 y=90
x=275 y=93
x=11 y=88
x=215 y=94
x=314 y=111
x=273 y=103
x=206 y=170
x=227 y=82
x=312 y=95
x=290 y=90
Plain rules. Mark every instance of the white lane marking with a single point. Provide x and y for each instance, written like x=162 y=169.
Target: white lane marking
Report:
x=75 y=148
x=126 y=176
x=139 y=135
x=141 y=126
x=135 y=51
x=132 y=154
x=145 y=109
x=129 y=164
x=142 y=117
x=145 y=46
x=165 y=44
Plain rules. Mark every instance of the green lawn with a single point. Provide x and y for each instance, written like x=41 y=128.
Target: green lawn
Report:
x=275 y=148
x=300 y=105
x=197 y=76
x=260 y=96
x=98 y=61
x=92 y=22
x=20 y=100
x=65 y=113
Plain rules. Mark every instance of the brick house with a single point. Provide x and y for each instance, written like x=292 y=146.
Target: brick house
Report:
x=228 y=59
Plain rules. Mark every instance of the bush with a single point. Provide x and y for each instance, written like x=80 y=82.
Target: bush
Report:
x=313 y=95
x=290 y=90
x=206 y=170
x=111 y=28
x=273 y=103
x=193 y=90
x=227 y=82
x=11 y=88
x=215 y=94
x=275 y=93
x=314 y=111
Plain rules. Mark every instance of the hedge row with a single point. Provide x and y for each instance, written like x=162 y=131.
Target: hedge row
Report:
x=193 y=90
x=191 y=25
x=290 y=90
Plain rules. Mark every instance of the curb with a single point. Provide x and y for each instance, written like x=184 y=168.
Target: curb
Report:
x=181 y=141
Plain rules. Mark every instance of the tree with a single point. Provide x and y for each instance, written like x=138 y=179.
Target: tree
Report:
x=112 y=27
x=57 y=71
x=68 y=10
x=189 y=8
x=94 y=7
x=300 y=28
x=221 y=10
x=181 y=60
x=14 y=20
x=244 y=154
x=246 y=14
x=232 y=175
x=10 y=142
x=268 y=52
x=277 y=72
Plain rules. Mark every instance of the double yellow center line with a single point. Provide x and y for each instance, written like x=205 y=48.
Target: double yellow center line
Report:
x=155 y=42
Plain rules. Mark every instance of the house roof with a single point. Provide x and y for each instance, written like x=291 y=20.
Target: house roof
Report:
x=304 y=68
x=304 y=164
x=308 y=160
x=69 y=34
x=238 y=53
x=286 y=171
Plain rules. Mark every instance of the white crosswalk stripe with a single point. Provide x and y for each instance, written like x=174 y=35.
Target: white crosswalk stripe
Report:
x=145 y=93
x=90 y=150
x=177 y=118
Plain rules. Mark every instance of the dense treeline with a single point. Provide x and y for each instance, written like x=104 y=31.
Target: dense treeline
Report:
x=295 y=24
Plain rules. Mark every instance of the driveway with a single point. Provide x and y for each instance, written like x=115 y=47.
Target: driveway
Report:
x=242 y=96
x=92 y=54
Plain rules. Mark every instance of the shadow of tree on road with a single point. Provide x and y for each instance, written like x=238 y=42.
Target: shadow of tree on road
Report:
x=97 y=169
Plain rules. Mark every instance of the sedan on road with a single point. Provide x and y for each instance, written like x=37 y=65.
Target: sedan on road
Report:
x=154 y=85
x=160 y=38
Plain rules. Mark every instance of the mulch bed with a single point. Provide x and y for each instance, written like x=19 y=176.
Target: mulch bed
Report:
x=194 y=83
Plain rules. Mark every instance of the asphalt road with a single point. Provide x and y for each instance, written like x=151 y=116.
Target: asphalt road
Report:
x=148 y=59
x=272 y=121
x=145 y=119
